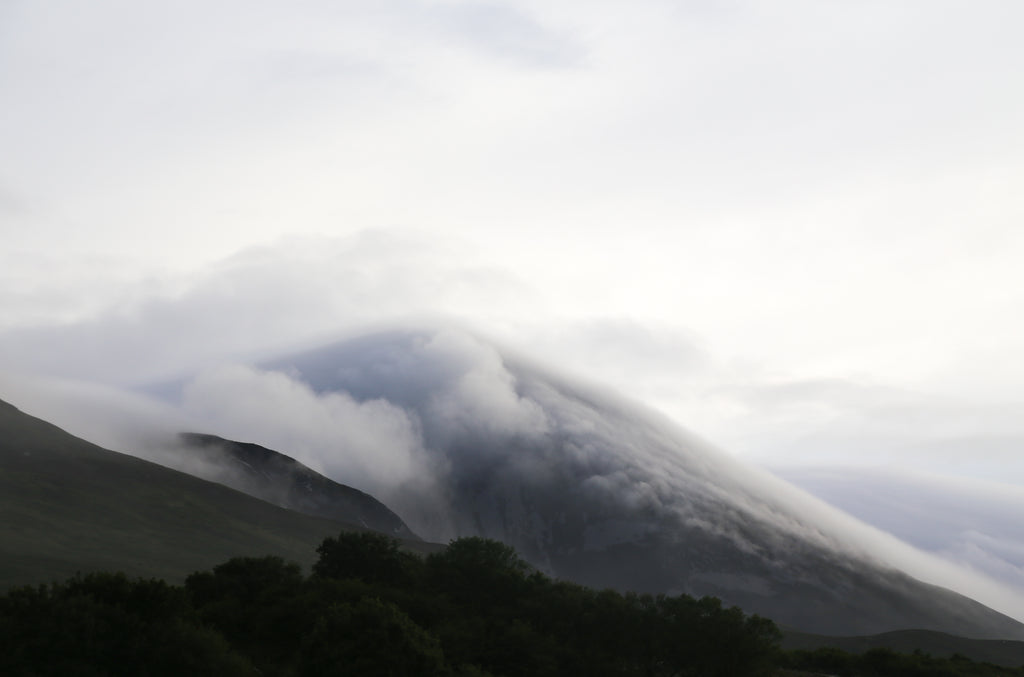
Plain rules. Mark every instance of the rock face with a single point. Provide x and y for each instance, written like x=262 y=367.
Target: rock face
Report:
x=283 y=481
x=595 y=490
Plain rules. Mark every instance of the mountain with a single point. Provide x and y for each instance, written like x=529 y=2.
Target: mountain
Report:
x=599 y=491
x=461 y=438
x=283 y=481
x=67 y=505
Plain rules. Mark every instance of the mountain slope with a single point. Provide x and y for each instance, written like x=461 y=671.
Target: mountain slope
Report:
x=67 y=505
x=283 y=481
x=602 y=492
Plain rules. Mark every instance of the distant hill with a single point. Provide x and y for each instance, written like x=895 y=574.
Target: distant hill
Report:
x=1004 y=652
x=67 y=505
x=283 y=481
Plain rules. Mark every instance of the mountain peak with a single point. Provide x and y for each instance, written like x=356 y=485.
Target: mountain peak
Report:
x=608 y=494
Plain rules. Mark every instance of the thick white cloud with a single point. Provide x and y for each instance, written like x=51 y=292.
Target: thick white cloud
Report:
x=824 y=190
x=482 y=395
x=265 y=298
x=371 y=444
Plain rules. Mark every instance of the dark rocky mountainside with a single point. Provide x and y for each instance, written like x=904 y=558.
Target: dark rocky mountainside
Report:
x=283 y=481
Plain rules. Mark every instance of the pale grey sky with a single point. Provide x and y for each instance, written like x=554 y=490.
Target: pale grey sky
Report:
x=794 y=227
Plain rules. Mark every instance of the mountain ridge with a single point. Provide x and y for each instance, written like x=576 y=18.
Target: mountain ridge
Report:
x=67 y=505
x=283 y=481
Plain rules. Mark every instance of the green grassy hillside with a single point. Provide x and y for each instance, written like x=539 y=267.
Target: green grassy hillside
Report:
x=67 y=505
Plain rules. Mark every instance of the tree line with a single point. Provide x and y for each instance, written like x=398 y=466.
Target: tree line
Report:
x=369 y=608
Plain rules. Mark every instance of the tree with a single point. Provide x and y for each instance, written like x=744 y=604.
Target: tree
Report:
x=257 y=604
x=478 y=571
x=105 y=624
x=370 y=638
x=367 y=556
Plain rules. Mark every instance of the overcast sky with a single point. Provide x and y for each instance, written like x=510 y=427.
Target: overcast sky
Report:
x=794 y=227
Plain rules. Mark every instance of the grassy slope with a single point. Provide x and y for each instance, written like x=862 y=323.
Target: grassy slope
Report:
x=998 y=651
x=67 y=505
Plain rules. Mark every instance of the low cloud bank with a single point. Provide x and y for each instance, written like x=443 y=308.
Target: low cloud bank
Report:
x=373 y=443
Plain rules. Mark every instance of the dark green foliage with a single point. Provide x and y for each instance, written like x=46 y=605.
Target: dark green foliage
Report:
x=249 y=600
x=888 y=663
x=1008 y=653
x=478 y=572
x=105 y=624
x=367 y=556
x=479 y=558
x=473 y=610
x=372 y=639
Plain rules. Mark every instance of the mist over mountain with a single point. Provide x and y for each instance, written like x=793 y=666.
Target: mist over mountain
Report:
x=461 y=439
x=974 y=523
x=283 y=481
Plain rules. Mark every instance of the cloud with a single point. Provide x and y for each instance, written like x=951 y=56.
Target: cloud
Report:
x=12 y=203
x=483 y=396
x=654 y=356
x=370 y=444
x=261 y=299
x=503 y=31
x=114 y=418
x=865 y=421
x=729 y=171
x=299 y=292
